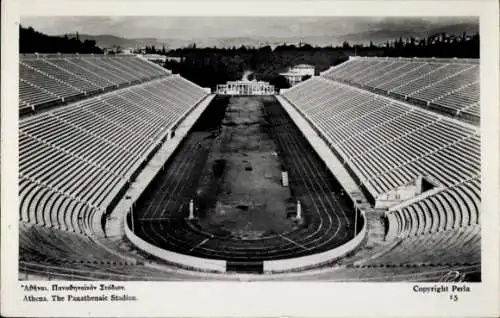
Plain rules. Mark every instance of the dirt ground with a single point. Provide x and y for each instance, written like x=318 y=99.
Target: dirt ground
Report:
x=240 y=188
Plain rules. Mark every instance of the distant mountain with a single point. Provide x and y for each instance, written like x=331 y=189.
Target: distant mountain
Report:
x=109 y=41
x=378 y=36
x=457 y=29
x=382 y=35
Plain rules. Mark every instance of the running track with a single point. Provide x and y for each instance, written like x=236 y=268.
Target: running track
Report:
x=160 y=217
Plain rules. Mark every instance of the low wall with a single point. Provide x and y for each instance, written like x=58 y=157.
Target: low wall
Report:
x=182 y=260
x=305 y=262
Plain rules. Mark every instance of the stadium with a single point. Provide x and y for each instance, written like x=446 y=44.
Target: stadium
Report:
x=369 y=171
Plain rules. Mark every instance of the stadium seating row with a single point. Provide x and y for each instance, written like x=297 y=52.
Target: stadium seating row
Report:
x=73 y=160
x=387 y=144
x=448 y=85
x=42 y=205
x=449 y=209
x=55 y=79
x=56 y=247
x=367 y=130
x=456 y=246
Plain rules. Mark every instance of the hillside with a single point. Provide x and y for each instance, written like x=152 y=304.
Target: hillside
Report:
x=385 y=34
x=377 y=36
x=109 y=41
x=31 y=41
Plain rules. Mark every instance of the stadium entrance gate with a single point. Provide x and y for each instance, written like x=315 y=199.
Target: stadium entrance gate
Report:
x=254 y=267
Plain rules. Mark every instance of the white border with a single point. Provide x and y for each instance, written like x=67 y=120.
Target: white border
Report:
x=260 y=299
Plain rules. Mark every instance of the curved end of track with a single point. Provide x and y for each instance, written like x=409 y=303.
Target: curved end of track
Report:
x=270 y=267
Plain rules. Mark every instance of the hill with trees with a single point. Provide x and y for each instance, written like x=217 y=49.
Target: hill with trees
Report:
x=32 y=41
x=211 y=66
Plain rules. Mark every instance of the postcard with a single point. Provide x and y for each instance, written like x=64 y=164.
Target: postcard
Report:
x=250 y=158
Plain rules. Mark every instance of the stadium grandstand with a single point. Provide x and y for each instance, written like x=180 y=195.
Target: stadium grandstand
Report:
x=56 y=79
x=450 y=86
x=367 y=172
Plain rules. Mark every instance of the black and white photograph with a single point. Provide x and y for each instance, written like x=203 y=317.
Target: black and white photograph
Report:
x=254 y=148
x=347 y=158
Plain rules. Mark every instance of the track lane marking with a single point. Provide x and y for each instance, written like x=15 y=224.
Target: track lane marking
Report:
x=200 y=244
x=292 y=241
x=156 y=219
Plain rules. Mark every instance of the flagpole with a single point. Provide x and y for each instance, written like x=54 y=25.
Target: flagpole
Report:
x=132 y=216
x=355 y=218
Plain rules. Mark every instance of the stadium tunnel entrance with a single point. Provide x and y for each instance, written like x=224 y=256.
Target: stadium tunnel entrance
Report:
x=245 y=267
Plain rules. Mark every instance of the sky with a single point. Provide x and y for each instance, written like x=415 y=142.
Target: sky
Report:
x=225 y=27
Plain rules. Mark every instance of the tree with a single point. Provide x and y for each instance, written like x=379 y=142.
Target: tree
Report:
x=306 y=47
x=209 y=66
x=31 y=41
x=279 y=82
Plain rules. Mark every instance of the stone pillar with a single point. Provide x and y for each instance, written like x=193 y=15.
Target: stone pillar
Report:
x=355 y=219
x=299 y=210
x=191 y=209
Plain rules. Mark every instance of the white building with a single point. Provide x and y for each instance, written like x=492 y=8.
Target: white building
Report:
x=295 y=74
x=245 y=87
x=174 y=58
x=154 y=57
x=128 y=51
